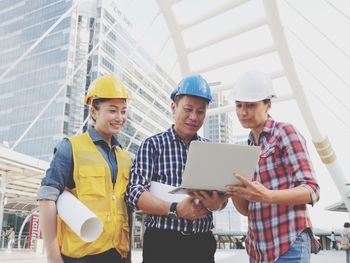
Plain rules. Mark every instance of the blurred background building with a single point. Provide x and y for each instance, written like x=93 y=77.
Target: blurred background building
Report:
x=92 y=40
x=219 y=128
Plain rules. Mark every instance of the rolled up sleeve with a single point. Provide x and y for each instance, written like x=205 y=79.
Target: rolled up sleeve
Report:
x=48 y=193
x=59 y=174
x=314 y=192
x=300 y=164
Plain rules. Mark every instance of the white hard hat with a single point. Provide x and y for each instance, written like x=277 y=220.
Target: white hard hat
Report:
x=253 y=86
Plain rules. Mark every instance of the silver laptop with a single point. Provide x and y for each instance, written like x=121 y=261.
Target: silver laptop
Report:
x=211 y=166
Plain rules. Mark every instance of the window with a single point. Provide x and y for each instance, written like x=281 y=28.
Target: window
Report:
x=65 y=128
x=66 y=109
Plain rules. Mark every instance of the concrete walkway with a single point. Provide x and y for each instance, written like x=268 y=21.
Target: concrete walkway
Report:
x=222 y=256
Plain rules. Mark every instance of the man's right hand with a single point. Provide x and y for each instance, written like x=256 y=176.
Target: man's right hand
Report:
x=189 y=209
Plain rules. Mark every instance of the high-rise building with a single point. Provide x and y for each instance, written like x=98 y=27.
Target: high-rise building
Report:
x=219 y=128
x=60 y=62
x=118 y=53
x=29 y=86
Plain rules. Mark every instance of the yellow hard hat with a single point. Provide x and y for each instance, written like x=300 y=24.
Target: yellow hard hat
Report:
x=106 y=87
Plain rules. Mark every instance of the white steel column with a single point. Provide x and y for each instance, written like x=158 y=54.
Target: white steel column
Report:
x=165 y=7
x=21 y=229
x=322 y=144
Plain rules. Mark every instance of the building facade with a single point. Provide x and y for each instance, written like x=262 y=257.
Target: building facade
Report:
x=219 y=128
x=92 y=40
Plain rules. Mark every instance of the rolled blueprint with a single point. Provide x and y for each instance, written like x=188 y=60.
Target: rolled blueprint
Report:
x=78 y=217
x=162 y=191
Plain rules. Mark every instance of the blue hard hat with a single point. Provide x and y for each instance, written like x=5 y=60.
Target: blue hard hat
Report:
x=193 y=85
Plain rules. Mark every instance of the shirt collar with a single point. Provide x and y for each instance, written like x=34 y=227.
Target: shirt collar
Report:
x=174 y=136
x=269 y=126
x=96 y=137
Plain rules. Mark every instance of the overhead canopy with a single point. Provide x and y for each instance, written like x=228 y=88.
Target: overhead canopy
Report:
x=338 y=207
x=20 y=177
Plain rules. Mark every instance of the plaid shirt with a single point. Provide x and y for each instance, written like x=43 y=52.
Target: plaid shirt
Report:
x=284 y=163
x=162 y=158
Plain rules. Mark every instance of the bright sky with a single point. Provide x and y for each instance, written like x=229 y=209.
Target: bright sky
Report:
x=320 y=45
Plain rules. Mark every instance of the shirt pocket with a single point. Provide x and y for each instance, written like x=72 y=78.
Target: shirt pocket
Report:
x=92 y=182
x=268 y=150
x=267 y=168
x=122 y=182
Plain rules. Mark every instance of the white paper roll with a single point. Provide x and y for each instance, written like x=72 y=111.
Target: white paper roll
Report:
x=162 y=191
x=78 y=217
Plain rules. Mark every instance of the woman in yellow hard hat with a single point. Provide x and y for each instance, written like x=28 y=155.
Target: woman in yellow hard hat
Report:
x=95 y=168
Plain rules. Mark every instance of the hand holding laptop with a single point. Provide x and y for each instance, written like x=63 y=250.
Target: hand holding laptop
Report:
x=212 y=200
x=251 y=191
x=210 y=166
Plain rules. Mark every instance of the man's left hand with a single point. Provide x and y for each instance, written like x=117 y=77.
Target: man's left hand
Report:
x=213 y=201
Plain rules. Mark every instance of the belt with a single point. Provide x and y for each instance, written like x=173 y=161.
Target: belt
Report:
x=183 y=233
x=186 y=233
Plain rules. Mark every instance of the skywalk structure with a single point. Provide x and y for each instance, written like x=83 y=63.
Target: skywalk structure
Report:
x=218 y=39
x=255 y=30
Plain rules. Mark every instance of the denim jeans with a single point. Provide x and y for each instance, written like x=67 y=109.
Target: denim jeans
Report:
x=299 y=252
x=347 y=256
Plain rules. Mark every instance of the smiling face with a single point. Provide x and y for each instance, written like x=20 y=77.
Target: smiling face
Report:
x=252 y=115
x=110 y=117
x=189 y=114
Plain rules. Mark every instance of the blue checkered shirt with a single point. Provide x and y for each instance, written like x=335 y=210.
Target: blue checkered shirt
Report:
x=161 y=158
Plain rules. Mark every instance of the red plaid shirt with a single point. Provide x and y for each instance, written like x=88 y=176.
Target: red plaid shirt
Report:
x=284 y=163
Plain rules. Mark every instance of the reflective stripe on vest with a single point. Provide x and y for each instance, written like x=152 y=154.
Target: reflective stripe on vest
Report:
x=94 y=188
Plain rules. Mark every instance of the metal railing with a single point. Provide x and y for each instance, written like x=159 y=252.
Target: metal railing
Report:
x=25 y=241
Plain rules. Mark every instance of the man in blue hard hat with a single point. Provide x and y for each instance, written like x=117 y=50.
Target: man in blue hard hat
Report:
x=175 y=231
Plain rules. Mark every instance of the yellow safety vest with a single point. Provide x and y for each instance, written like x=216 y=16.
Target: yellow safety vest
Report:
x=94 y=188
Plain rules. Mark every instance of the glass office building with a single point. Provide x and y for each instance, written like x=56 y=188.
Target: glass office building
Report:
x=149 y=85
x=59 y=69
x=219 y=128
x=29 y=86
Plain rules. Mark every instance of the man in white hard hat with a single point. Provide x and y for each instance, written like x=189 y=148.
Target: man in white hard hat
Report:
x=279 y=228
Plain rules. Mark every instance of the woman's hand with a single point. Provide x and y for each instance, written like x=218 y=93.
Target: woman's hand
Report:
x=249 y=190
